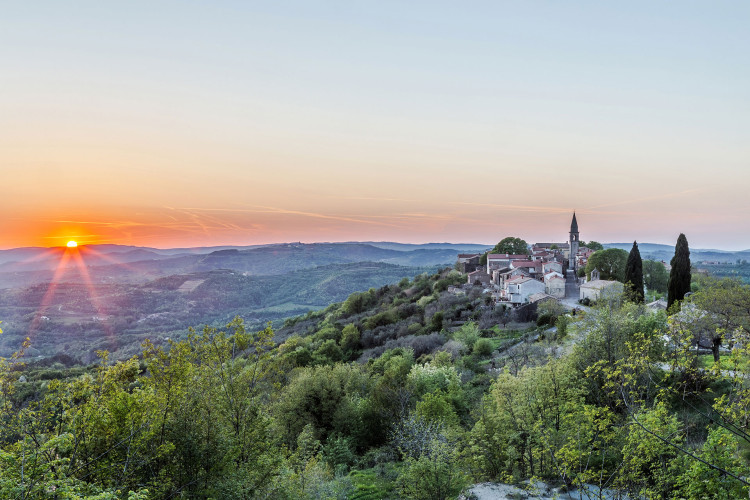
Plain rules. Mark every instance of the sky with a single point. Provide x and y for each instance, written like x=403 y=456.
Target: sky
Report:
x=186 y=123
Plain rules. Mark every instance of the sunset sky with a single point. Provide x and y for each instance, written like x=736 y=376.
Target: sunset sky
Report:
x=191 y=123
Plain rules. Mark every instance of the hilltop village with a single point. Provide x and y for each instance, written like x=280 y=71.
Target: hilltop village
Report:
x=545 y=271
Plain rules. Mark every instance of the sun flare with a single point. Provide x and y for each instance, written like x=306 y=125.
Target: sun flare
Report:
x=72 y=244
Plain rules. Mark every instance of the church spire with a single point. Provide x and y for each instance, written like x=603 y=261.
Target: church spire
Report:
x=573 y=262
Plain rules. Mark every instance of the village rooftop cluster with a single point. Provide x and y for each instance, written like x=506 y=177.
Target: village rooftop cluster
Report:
x=539 y=274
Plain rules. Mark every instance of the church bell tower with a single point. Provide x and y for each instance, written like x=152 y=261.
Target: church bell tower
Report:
x=573 y=243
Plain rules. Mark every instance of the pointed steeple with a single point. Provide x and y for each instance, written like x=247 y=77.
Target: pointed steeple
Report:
x=573 y=262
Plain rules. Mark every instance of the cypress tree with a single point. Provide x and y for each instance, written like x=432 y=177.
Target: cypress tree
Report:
x=634 y=274
x=679 y=276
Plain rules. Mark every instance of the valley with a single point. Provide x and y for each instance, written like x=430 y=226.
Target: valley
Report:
x=93 y=303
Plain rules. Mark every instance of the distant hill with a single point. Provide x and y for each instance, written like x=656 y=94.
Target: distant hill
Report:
x=458 y=247
x=658 y=251
x=119 y=264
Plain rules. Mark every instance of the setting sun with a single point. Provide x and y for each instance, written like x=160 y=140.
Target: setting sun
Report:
x=72 y=244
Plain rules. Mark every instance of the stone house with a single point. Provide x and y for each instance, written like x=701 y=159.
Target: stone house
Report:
x=468 y=262
x=552 y=266
x=539 y=297
x=518 y=290
x=479 y=276
x=500 y=276
x=554 y=284
x=501 y=260
x=532 y=267
x=598 y=289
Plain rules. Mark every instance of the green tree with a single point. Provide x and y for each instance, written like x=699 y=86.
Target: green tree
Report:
x=699 y=480
x=593 y=245
x=728 y=302
x=548 y=311
x=436 y=407
x=634 y=275
x=325 y=397
x=483 y=347
x=350 y=338
x=436 y=322
x=609 y=262
x=647 y=457
x=511 y=245
x=655 y=276
x=679 y=276
x=433 y=475
x=468 y=334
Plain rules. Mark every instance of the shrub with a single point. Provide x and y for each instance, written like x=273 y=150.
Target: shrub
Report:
x=467 y=334
x=338 y=451
x=434 y=475
x=350 y=338
x=483 y=347
x=562 y=326
x=435 y=407
x=436 y=323
x=380 y=319
x=328 y=352
x=428 y=378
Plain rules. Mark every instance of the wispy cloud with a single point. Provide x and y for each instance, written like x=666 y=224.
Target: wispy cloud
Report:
x=284 y=211
x=516 y=208
x=646 y=198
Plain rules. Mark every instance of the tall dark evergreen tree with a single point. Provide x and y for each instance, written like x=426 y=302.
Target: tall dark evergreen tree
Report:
x=679 y=276
x=634 y=274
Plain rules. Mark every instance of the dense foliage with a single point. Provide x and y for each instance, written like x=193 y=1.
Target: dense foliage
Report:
x=511 y=245
x=655 y=276
x=411 y=390
x=592 y=245
x=610 y=263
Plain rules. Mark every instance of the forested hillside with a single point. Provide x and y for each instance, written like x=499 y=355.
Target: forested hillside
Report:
x=411 y=390
x=77 y=319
